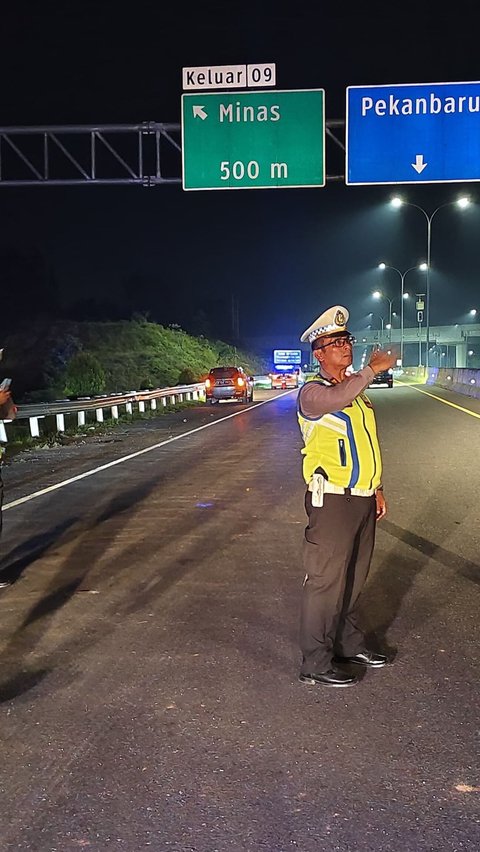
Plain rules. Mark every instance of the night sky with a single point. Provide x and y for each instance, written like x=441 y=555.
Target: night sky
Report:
x=283 y=255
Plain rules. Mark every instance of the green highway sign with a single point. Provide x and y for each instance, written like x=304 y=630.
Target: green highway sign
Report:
x=253 y=140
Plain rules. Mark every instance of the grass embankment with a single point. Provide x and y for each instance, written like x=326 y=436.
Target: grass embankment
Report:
x=127 y=355
x=132 y=355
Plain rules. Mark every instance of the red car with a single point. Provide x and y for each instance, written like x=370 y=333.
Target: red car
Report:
x=283 y=381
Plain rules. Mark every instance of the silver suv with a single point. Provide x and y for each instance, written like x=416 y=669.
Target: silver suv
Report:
x=228 y=383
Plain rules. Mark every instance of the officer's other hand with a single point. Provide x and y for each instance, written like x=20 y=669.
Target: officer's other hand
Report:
x=5 y=395
x=382 y=359
x=381 y=505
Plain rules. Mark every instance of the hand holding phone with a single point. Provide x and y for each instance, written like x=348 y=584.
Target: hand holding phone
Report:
x=5 y=384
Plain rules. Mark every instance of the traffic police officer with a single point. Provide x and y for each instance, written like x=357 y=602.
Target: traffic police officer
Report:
x=343 y=470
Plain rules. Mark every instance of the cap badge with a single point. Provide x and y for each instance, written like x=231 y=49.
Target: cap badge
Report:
x=339 y=318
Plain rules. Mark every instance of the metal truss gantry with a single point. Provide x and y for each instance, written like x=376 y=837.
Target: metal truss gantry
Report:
x=148 y=154
x=83 y=154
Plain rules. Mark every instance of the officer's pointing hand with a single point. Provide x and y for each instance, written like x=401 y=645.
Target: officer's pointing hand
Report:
x=382 y=360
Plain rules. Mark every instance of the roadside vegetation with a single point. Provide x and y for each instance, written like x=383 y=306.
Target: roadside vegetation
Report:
x=62 y=359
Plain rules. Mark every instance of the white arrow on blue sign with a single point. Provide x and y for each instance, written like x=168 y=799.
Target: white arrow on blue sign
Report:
x=413 y=133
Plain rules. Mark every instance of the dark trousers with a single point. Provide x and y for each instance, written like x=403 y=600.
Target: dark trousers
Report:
x=338 y=548
x=1 y=497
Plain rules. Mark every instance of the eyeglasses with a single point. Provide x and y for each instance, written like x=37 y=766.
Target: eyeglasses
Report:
x=340 y=341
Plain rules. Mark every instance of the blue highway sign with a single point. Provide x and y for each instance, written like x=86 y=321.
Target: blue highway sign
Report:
x=287 y=356
x=413 y=133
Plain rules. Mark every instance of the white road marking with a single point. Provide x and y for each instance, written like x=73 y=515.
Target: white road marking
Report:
x=446 y=401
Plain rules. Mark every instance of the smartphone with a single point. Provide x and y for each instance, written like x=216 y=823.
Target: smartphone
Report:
x=5 y=384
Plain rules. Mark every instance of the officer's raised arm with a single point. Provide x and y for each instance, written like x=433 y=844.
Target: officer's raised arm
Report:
x=335 y=389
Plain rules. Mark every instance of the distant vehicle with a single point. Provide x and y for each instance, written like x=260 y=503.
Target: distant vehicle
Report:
x=283 y=381
x=228 y=383
x=383 y=379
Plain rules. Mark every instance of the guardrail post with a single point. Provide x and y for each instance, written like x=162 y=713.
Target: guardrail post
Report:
x=3 y=432
x=162 y=398
x=34 y=427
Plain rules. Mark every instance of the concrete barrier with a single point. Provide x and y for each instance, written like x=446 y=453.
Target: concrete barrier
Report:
x=460 y=379
x=415 y=373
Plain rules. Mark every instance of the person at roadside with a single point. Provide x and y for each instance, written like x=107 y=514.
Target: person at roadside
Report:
x=6 y=407
x=342 y=468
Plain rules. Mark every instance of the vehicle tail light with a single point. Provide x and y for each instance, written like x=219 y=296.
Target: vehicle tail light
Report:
x=208 y=383
x=240 y=382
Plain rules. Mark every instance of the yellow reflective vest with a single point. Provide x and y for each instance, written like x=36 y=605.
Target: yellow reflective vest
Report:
x=343 y=444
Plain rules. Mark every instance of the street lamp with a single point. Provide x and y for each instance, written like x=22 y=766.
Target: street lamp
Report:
x=377 y=294
x=422 y=267
x=461 y=202
x=473 y=312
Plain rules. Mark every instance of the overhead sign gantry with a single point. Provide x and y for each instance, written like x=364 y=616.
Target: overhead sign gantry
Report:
x=406 y=133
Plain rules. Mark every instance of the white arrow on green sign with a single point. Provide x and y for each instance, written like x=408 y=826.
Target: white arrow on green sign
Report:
x=253 y=140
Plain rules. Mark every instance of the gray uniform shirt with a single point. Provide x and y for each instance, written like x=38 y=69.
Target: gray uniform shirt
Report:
x=315 y=399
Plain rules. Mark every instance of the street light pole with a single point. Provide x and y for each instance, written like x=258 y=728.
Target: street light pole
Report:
x=382 y=320
x=379 y=295
x=399 y=202
x=422 y=267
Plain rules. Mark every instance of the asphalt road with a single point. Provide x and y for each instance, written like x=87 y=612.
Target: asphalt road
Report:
x=149 y=660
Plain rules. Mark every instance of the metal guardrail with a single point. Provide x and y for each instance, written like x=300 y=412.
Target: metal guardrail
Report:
x=36 y=412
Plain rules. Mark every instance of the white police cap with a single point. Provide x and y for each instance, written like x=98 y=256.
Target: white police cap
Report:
x=330 y=322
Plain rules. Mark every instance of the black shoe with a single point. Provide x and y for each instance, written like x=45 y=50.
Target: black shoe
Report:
x=332 y=677
x=365 y=658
